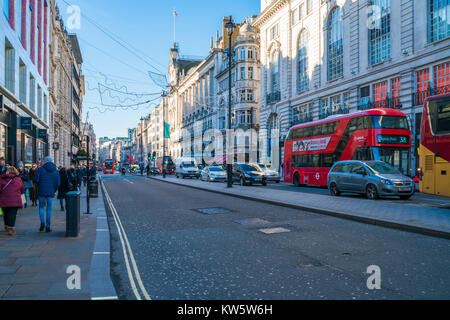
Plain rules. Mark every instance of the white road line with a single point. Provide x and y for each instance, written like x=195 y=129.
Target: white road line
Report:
x=128 y=181
x=126 y=247
x=101 y=253
x=105 y=298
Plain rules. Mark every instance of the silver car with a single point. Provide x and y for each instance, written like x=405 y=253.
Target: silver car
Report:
x=371 y=178
x=213 y=174
x=271 y=175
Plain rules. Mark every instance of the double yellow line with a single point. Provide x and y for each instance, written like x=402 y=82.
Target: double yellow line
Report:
x=133 y=272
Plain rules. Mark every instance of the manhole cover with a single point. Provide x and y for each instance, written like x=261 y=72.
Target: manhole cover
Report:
x=274 y=230
x=346 y=254
x=213 y=211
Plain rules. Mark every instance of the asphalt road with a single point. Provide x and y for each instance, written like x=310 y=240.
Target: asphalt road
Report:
x=182 y=253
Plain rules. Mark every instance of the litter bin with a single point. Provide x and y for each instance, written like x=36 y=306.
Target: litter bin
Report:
x=93 y=188
x=73 y=214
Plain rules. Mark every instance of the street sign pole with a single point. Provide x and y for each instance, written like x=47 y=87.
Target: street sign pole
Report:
x=88 y=175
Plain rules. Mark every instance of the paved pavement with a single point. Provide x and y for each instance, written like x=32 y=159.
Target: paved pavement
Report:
x=409 y=216
x=34 y=265
x=192 y=244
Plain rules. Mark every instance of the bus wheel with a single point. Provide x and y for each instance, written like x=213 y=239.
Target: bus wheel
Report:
x=334 y=190
x=371 y=192
x=297 y=180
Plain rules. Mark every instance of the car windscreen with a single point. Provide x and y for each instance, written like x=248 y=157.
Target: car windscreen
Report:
x=382 y=168
x=215 y=169
x=189 y=165
x=247 y=167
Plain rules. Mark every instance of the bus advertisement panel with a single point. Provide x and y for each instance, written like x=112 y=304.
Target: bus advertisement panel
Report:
x=312 y=148
x=434 y=149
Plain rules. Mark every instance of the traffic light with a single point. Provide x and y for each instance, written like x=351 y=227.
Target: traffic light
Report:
x=93 y=157
x=149 y=156
x=154 y=155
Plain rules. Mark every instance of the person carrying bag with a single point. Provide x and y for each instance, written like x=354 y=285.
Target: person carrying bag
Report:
x=11 y=191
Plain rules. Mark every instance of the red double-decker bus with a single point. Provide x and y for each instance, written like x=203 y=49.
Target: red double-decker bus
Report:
x=108 y=166
x=312 y=148
x=435 y=146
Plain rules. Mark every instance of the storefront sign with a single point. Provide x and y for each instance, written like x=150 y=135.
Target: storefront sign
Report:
x=42 y=133
x=311 y=144
x=55 y=146
x=25 y=123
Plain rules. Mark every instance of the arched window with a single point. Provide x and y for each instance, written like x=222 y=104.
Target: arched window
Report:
x=302 y=63
x=379 y=31
x=275 y=72
x=335 y=45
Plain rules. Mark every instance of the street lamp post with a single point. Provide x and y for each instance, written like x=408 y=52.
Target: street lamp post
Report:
x=164 y=94
x=142 y=140
x=230 y=28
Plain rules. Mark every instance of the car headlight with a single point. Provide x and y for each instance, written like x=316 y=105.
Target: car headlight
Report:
x=387 y=182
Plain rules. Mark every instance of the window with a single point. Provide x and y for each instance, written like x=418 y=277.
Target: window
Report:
x=250 y=54
x=303 y=81
x=242 y=95
x=274 y=32
x=242 y=117
x=442 y=78
x=19 y=19
x=249 y=117
x=250 y=95
x=22 y=82
x=441 y=108
x=10 y=81
x=301 y=11
x=295 y=16
x=275 y=72
x=32 y=94
x=309 y=6
x=439 y=19
x=243 y=53
x=30 y=29
x=250 y=73
x=335 y=45
x=379 y=31
x=242 y=73
x=395 y=92
x=423 y=85
x=380 y=94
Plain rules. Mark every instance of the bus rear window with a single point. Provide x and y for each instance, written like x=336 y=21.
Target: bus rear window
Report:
x=390 y=122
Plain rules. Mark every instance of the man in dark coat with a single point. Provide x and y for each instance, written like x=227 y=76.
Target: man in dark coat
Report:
x=48 y=181
x=79 y=176
x=64 y=187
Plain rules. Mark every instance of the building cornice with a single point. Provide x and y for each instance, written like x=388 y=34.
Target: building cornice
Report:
x=269 y=12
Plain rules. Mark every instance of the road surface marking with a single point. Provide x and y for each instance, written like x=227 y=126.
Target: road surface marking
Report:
x=128 y=181
x=126 y=247
x=274 y=230
x=105 y=298
x=101 y=253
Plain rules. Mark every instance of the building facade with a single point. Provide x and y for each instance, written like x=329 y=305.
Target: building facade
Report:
x=24 y=96
x=320 y=58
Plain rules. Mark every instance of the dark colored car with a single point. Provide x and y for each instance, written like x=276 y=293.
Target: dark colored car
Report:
x=247 y=174
x=370 y=178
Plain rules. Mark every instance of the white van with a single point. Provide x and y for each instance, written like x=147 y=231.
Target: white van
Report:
x=186 y=167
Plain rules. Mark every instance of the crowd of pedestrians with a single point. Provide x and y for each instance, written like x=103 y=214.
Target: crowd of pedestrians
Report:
x=40 y=185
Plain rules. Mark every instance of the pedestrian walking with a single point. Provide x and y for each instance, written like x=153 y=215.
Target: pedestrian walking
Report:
x=11 y=190
x=63 y=187
x=25 y=176
x=2 y=165
x=72 y=176
x=48 y=181
x=34 y=190
x=79 y=176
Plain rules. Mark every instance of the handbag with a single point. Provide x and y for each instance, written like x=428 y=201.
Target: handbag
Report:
x=24 y=200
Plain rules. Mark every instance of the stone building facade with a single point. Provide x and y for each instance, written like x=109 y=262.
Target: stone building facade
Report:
x=326 y=57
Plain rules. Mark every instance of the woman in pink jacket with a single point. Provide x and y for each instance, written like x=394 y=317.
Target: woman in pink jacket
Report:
x=11 y=190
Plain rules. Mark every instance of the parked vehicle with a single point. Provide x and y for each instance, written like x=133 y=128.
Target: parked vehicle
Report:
x=435 y=146
x=271 y=175
x=312 y=148
x=186 y=167
x=213 y=174
x=248 y=174
x=371 y=178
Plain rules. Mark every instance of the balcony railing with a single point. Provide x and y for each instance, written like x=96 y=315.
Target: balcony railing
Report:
x=390 y=103
x=273 y=97
x=420 y=96
x=301 y=119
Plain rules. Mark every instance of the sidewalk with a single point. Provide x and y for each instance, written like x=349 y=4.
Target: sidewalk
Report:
x=33 y=265
x=411 y=217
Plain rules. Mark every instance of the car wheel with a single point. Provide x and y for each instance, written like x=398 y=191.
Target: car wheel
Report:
x=208 y=179
x=264 y=183
x=371 y=192
x=278 y=181
x=334 y=190
x=405 y=197
x=242 y=182
x=297 y=180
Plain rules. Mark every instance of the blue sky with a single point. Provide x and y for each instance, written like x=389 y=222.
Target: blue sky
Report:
x=148 y=26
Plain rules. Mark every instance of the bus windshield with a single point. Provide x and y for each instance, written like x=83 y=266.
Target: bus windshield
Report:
x=390 y=122
x=108 y=164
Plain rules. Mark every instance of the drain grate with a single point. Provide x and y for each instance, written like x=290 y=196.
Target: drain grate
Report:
x=274 y=230
x=213 y=211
